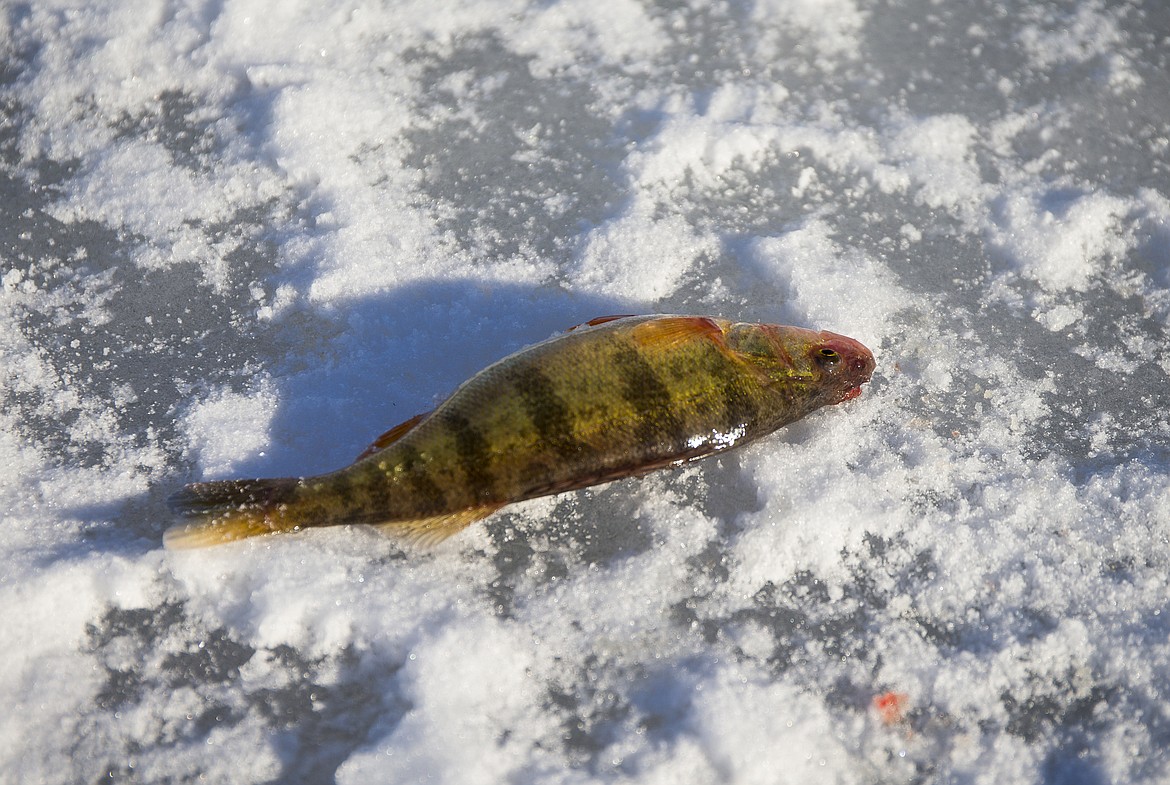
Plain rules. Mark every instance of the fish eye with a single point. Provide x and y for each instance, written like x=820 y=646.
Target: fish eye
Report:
x=830 y=356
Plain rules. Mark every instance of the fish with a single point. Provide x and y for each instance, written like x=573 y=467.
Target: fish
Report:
x=615 y=397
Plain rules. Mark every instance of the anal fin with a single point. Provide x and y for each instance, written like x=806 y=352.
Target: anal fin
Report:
x=392 y=435
x=433 y=530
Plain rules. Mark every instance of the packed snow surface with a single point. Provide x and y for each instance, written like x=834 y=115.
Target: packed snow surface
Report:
x=243 y=238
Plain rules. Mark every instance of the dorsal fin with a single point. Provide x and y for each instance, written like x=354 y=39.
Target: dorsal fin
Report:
x=674 y=330
x=599 y=320
x=392 y=435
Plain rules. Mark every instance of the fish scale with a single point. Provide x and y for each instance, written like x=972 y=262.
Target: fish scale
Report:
x=616 y=397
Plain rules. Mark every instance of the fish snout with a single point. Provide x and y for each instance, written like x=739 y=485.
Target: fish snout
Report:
x=851 y=363
x=859 y=360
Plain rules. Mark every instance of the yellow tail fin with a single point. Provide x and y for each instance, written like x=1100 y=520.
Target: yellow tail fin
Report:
x=228 y=510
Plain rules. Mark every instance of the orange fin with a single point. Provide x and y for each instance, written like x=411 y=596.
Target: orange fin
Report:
x=230 y=528
x=392 y=435
x=223 y=511
x=674 y=330
x=431 y=531
x=599 y=320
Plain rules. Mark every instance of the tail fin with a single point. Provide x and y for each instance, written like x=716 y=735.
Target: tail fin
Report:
x=228 y=510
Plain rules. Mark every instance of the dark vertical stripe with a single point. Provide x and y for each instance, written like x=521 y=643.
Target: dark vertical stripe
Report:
x=472 y=452
x=545 y=409
x=739 y=408
x=430 y=496
x=656 y=421
x=376 y=490
x=341 y=486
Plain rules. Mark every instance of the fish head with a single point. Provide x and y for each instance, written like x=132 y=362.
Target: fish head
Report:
x=843 y=364
x=825 y=367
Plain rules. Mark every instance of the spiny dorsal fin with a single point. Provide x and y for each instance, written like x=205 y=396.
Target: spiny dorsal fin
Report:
x=599 y=320
x=392 y=435
x=433 y=530
x=671 y=331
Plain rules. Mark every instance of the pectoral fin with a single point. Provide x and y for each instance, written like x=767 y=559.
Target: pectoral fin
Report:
x=392 y=435
x=431 y=531
x=674 y=330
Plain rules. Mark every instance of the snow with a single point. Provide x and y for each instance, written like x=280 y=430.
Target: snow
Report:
x=245 y=238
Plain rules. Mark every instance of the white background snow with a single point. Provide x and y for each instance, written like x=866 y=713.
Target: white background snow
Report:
x=243 y=238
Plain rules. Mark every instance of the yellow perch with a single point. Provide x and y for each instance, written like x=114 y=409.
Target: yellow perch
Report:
x=615 y=397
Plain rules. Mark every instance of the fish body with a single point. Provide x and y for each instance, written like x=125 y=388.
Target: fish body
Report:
x=615 y=397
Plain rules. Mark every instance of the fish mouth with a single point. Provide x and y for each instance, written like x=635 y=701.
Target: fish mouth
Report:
x=850 y=394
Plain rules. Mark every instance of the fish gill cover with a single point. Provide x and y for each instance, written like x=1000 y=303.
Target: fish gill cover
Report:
x=244 y=238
